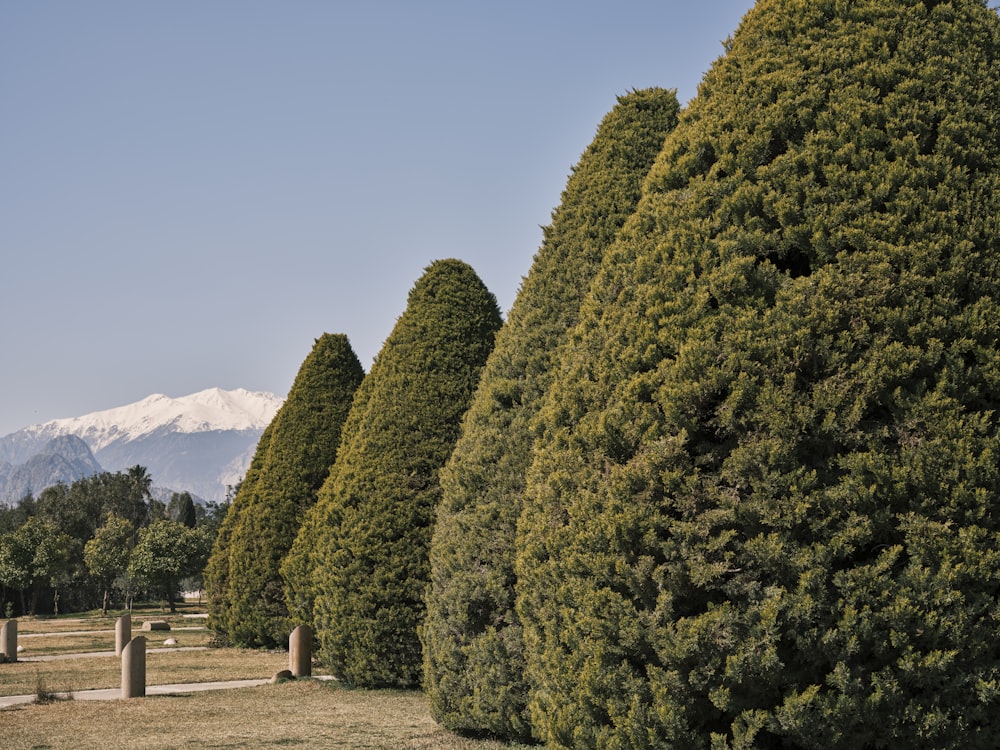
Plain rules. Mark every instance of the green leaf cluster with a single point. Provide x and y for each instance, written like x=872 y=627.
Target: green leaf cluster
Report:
x=293 y=457
x=71 y=515
x=762 y=506
x=472 y=646
x=167 y=552
x=107 y=553
x=365 y=547
x=35 y=555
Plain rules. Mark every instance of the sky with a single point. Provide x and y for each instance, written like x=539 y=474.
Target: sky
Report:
x=193 y=191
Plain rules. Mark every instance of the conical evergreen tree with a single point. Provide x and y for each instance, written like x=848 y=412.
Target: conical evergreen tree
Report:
x=473 y=655
x=304 y=557
x=302 y=447
x=379 y=502
x=763 y=511
x=216 y=575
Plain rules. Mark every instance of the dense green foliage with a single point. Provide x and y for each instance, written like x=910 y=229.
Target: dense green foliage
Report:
x=166 y=553
x=473 y=655
x=295 y=458
x=762 y=512
x=216 y=575
x=37 y=554
x=56 y=576
x=303 y=557
x=71 y=548
x=107 y=554
x=376 y=511
x=181 y=508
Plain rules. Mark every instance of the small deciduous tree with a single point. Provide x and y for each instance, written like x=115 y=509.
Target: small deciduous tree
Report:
x=166 y=553
x=36 y=555
x=107 y=554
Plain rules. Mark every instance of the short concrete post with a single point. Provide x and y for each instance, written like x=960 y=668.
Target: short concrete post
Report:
x=123 y=633
x=134 y=668
x=300 y=651
x=8 y=640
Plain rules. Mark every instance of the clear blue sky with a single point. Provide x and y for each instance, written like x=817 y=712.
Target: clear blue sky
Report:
x=192 y=191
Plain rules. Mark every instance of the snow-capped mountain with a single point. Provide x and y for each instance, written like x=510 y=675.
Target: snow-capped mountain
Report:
x=199 y=443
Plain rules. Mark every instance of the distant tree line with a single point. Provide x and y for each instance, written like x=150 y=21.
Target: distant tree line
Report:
x=101 y=542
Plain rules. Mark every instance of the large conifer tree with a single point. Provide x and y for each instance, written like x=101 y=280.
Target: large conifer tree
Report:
x=764 y=509
x=304 y=556
x=376 y=511
x=473 y=655
x=216 y=576
x=301 y=447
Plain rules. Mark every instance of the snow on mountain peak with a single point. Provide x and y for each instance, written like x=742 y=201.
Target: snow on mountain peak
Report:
x=205 y=411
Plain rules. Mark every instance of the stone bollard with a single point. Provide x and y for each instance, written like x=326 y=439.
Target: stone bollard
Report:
x=134 y=668
x=8 y=640
x=300 y=651
x=123 y=633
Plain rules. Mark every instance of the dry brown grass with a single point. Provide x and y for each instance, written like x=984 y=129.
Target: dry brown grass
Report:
x=27 y=625
x=54 y=643
x=95 y=621
x=71 y=675
x=306 y=714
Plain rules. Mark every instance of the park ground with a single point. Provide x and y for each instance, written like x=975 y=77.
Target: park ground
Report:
x=313 y=713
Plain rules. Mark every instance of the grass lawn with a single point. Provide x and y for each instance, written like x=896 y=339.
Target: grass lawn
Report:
x=69 y=675
x=304 y=713
x=51 y=644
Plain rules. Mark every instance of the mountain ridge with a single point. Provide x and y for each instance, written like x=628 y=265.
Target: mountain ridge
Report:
x=199 y=443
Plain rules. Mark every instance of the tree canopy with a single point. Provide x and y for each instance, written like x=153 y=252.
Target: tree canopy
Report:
x=761 y=511
x=73 y=515
x=217 y=569
x=166 y=553
x=107 y=553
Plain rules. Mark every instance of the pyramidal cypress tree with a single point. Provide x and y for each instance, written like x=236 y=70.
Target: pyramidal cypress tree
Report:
x=301 y=448
x=762 y=511
x=304 y=556
x=216 y=576
x=377 y=507
x=473 y=662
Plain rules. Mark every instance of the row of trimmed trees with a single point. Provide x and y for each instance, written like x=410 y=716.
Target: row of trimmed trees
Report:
x=332 y=523
x=728 y=475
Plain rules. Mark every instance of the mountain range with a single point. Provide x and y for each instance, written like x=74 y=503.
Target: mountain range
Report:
x=201 y=443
